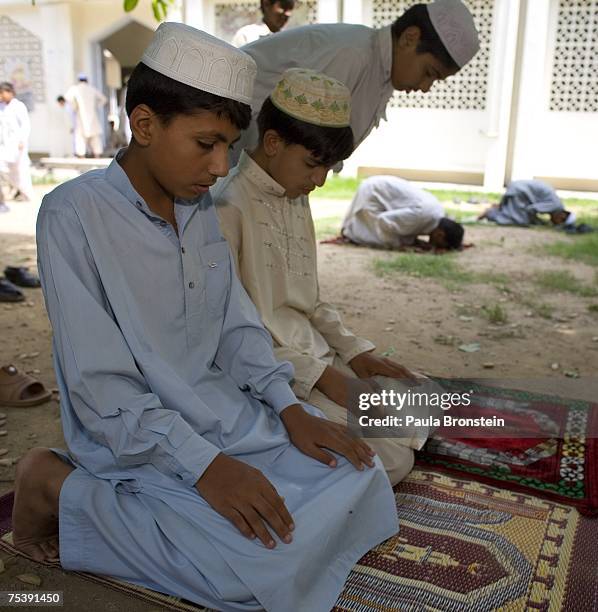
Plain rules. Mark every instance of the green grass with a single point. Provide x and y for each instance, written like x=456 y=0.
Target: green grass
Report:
x=444 y=268
x=342 y=187
x=423 y=265
x=565 y=282
x=337 y=188
x=580 y=248
x=542 y=309
x=45 y=180
x=495 y=278
x=495 y=314
x=593 y=308
x=327 y=227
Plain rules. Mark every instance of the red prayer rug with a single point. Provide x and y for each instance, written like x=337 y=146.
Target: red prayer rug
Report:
x=553 y=452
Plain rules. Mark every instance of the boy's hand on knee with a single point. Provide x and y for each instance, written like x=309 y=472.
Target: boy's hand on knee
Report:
x=243 y=495
x=367 y=365
x=313 y=435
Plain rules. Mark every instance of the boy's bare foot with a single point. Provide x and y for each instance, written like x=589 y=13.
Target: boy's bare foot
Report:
x=39 y=478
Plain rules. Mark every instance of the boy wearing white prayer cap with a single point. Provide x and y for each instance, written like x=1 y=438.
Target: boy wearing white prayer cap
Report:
x=265 y=216
x=192 y=468
x=428 y=42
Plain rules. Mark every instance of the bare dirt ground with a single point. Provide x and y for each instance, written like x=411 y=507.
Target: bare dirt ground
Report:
x=424 y=321
x=419 y=321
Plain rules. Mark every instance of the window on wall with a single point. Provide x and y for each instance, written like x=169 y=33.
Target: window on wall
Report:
x=21 y=62
x=468 y=88
x=574 y=86
x=230 y=16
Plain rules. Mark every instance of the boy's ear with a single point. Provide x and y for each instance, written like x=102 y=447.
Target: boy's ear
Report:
x=410 y=37
x=272 y=143
x=142 y=122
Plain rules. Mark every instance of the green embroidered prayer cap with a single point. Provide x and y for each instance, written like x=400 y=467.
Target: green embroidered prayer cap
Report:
x=313 y=97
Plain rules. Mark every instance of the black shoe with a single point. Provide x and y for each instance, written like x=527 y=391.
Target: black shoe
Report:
x=10 y=293
x=21 y=277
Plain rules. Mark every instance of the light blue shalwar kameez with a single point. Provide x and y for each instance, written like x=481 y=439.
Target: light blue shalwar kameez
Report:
x=523 y=201
x=162 y=363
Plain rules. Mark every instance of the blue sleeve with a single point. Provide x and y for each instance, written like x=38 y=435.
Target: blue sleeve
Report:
x=106 y=389
x=246 y=353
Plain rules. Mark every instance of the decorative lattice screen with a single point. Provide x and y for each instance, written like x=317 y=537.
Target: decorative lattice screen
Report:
x=575 y=70
x=467 y=89
x=230 y=16
x=21 y=62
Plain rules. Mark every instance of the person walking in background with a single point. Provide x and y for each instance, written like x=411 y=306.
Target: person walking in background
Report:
x=275 y=15
x=86 y=100
x=15 y=147
x=70 y=121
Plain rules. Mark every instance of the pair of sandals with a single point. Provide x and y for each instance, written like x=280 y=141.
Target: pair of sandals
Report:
x=15 y=277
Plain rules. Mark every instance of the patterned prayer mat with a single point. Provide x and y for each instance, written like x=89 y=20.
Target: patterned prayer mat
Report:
x=559 y=459
x=463 y=546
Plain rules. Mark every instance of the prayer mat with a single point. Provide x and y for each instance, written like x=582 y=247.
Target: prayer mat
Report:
x=462 y=546
x=557 y=459
x=465 y=546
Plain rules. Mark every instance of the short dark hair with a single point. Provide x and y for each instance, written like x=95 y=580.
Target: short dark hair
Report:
x=6 y=86
x=429 y=42
x=168 y=98
x=287 y=5
x=60 y=99
x=328 y=145
x=453 y=232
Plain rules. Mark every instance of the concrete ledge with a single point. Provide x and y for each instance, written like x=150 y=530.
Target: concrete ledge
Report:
x=75 y=163
x=570 y=184
x=461 y=177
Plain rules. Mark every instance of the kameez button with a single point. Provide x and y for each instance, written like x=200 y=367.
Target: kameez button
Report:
x=212 y=264
x=191 y=285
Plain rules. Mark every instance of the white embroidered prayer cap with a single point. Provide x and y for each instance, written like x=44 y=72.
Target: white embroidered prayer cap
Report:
x=571 y=218
x=313 y=97
x=201 y=60
x=456 y=29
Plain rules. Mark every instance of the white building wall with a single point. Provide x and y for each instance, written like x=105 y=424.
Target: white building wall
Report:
x=552 y=143
x=50 y=24
x=426 y=140
x=93 y=21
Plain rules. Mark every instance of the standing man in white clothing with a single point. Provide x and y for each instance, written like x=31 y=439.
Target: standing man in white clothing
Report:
x=429 y=42
x=16 y=125
x=275 y=15
x=391 y=213
x=86 y=101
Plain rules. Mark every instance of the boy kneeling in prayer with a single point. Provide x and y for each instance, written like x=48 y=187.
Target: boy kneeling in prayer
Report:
x=264 y=213
x=192 y=468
